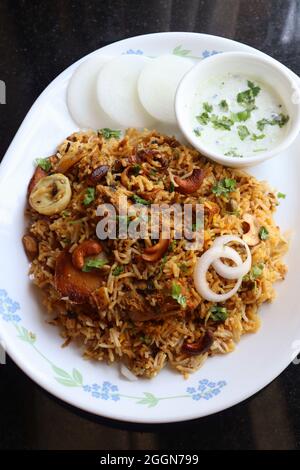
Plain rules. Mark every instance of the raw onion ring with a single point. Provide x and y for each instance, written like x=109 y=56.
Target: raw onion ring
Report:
x=202 y=266
x=232 y=272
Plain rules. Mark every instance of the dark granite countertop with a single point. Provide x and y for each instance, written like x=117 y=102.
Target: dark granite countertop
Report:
x=37 y=41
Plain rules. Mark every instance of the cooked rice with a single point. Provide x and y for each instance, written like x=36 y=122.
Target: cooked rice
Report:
x=109 y=334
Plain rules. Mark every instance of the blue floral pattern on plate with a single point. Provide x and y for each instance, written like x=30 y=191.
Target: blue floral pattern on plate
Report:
x=205 y=389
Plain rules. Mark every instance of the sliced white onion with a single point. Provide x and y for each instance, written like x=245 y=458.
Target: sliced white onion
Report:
x=232 y=272
x=202 y=266
x=128 y=374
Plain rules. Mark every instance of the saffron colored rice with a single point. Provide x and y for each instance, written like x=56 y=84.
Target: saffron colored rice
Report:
x=104 y=329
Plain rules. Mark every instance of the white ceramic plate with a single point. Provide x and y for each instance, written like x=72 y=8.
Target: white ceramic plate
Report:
x=36 y=347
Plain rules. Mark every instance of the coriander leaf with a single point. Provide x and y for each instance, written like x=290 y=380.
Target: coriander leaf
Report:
x=263 y=233
x=232 y=153
x=247 y=97
x=218 y=313
x=183 y=267
x=176 y=295
x=243 y=132
x=197 y=132
x=261 y=124
x=279 y=120
x=43 y=163
x=172 y=187
x=281 y=195
x=255 y=89
x=89 y=196
x=203 y=118
x=256 y=272
x=258 y=136
x=172 y=245
x=153 y=172
x=136 y=169
x=109 y=133
x=224 y=186
x=163 y=262
x=65 y=214
x=243 y=115
x=223 y=123
x=207 y=107
x=224 y=105
x=118 y=270
x=139 y=200
x=93 y=263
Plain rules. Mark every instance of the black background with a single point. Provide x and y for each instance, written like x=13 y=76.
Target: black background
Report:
x=38 y=40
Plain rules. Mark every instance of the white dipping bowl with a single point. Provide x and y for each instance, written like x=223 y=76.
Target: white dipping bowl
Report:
x=264 y=69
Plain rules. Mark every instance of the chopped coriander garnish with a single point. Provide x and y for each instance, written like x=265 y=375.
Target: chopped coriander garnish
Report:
x=65 y=214
x=224 y=186
x=263 y=233
x=243 y=115
x=109 y=133
x=43 y=163
x=258 y=136
x=118 y=270
x=93 y=263
x=247 y=98
x=77 y=221
x=224 y=105
x=243 y=132
x=203 y=118
x=218 y=313
x=172 y=187
x=183 y=267
x=136 y=169
x=176 y=295
x=256 y=272
x=146 y=339
x=172 y=245
x=197 y=132
x=233 y=153
x=89 y=196
x=223 y=123
x=163 y=262
x=207 y=107
x=281 y=195
x=261 y=124
x=139 y=200
x=153 y=172
x=279 y=120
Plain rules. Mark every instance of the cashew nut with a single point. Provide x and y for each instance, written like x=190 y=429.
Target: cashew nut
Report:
x=251 y=236
x=155 y=252
x=199 y=347
x=86 y=248
x=191 y=184
x=51 y=194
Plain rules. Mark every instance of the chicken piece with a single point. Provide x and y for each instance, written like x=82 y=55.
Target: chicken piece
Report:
x=77 y=285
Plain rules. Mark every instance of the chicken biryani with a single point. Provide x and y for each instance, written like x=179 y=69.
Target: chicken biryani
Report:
x=137 y=300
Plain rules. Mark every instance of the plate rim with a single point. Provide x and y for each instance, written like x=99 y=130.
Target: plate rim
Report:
x=28 y=369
